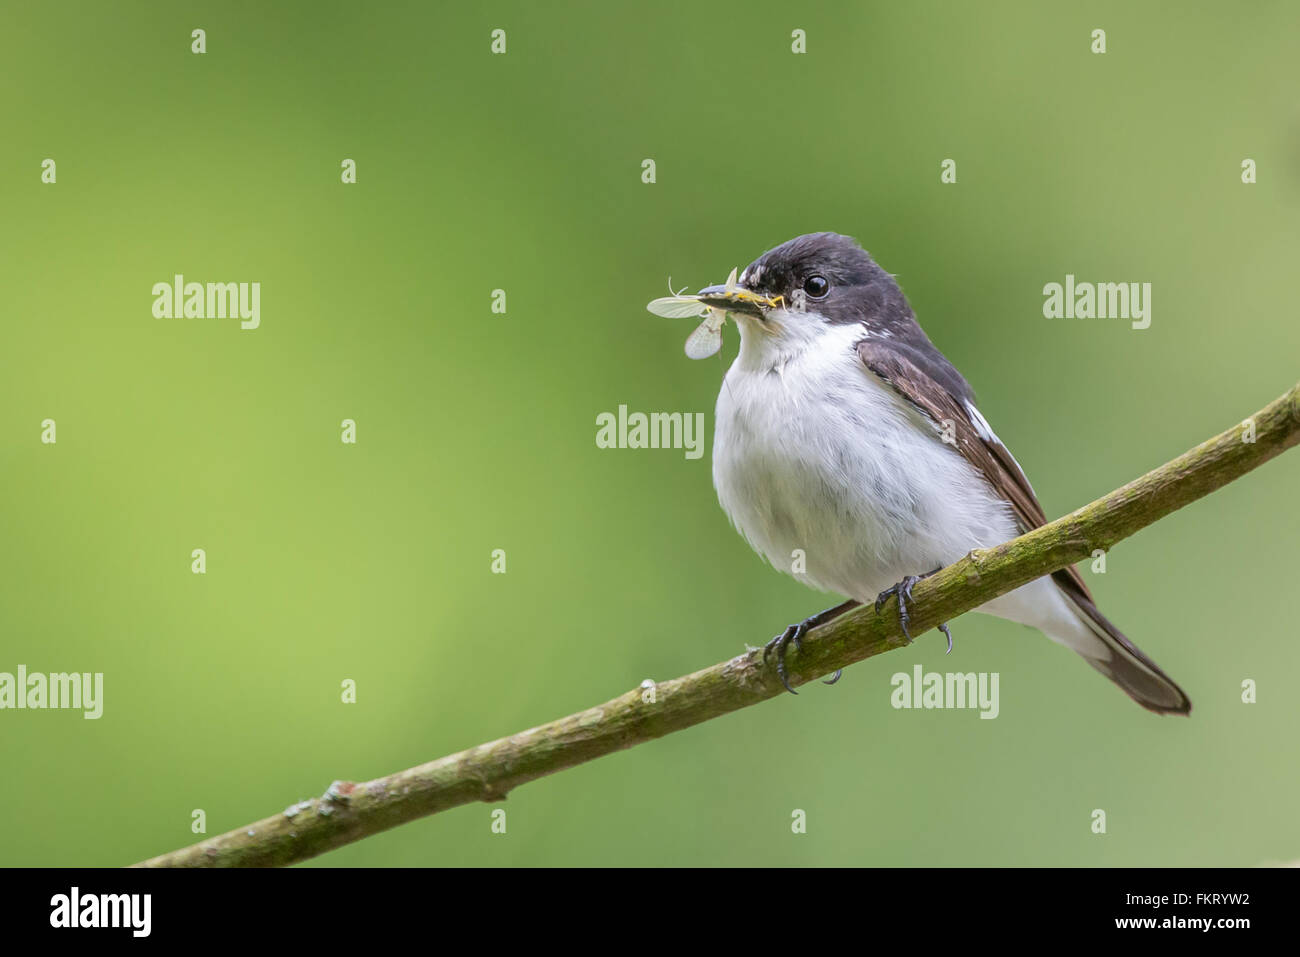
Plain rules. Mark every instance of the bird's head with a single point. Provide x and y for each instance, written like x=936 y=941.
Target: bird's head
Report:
x=810 y=282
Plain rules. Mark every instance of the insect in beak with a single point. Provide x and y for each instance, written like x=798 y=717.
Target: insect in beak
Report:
x=735 y=298
x=713 y=303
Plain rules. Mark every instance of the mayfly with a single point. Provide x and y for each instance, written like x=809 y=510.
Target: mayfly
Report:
x=707 y=337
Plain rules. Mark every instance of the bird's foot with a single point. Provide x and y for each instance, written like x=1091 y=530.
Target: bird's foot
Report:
x=795 y=634
x=903 y=592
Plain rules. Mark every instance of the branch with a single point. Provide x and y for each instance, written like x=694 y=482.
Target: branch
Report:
x=350 y=811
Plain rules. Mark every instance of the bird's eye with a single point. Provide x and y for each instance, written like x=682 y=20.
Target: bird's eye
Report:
x=816 y=287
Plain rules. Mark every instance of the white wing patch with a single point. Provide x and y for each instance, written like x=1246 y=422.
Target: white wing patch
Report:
x=981 y=426
x=986 y=433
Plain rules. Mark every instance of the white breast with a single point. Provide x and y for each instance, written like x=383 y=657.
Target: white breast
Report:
x=812 y=452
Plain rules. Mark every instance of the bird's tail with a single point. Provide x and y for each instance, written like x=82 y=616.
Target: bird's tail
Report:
x=1123 y=662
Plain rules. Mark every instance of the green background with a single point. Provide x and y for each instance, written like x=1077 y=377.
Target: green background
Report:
x=476 y=431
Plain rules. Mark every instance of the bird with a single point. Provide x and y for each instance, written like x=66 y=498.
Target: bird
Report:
x=844 y=436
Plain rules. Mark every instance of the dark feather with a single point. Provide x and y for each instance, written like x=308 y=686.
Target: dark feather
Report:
x=919 y=376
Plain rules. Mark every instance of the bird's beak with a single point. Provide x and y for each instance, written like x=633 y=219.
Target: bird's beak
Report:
x=734 y=298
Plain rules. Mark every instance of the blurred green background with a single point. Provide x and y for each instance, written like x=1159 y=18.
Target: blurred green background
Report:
x=476 y=431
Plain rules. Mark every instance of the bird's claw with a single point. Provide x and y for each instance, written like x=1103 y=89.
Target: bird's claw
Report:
x=795 y=634
x=782 y=641
x=903 y=592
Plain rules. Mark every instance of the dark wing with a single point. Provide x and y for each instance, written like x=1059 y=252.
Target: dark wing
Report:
x=930 y=383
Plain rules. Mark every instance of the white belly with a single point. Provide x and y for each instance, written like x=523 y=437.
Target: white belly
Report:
x=812 y=454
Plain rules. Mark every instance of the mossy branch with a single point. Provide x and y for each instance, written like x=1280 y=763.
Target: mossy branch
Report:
x=351 y=811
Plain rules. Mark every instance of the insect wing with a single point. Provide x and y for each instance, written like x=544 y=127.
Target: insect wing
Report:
x=677 y=307
x=706 y=340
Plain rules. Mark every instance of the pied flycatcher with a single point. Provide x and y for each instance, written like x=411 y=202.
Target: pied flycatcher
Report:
x=842 y=431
